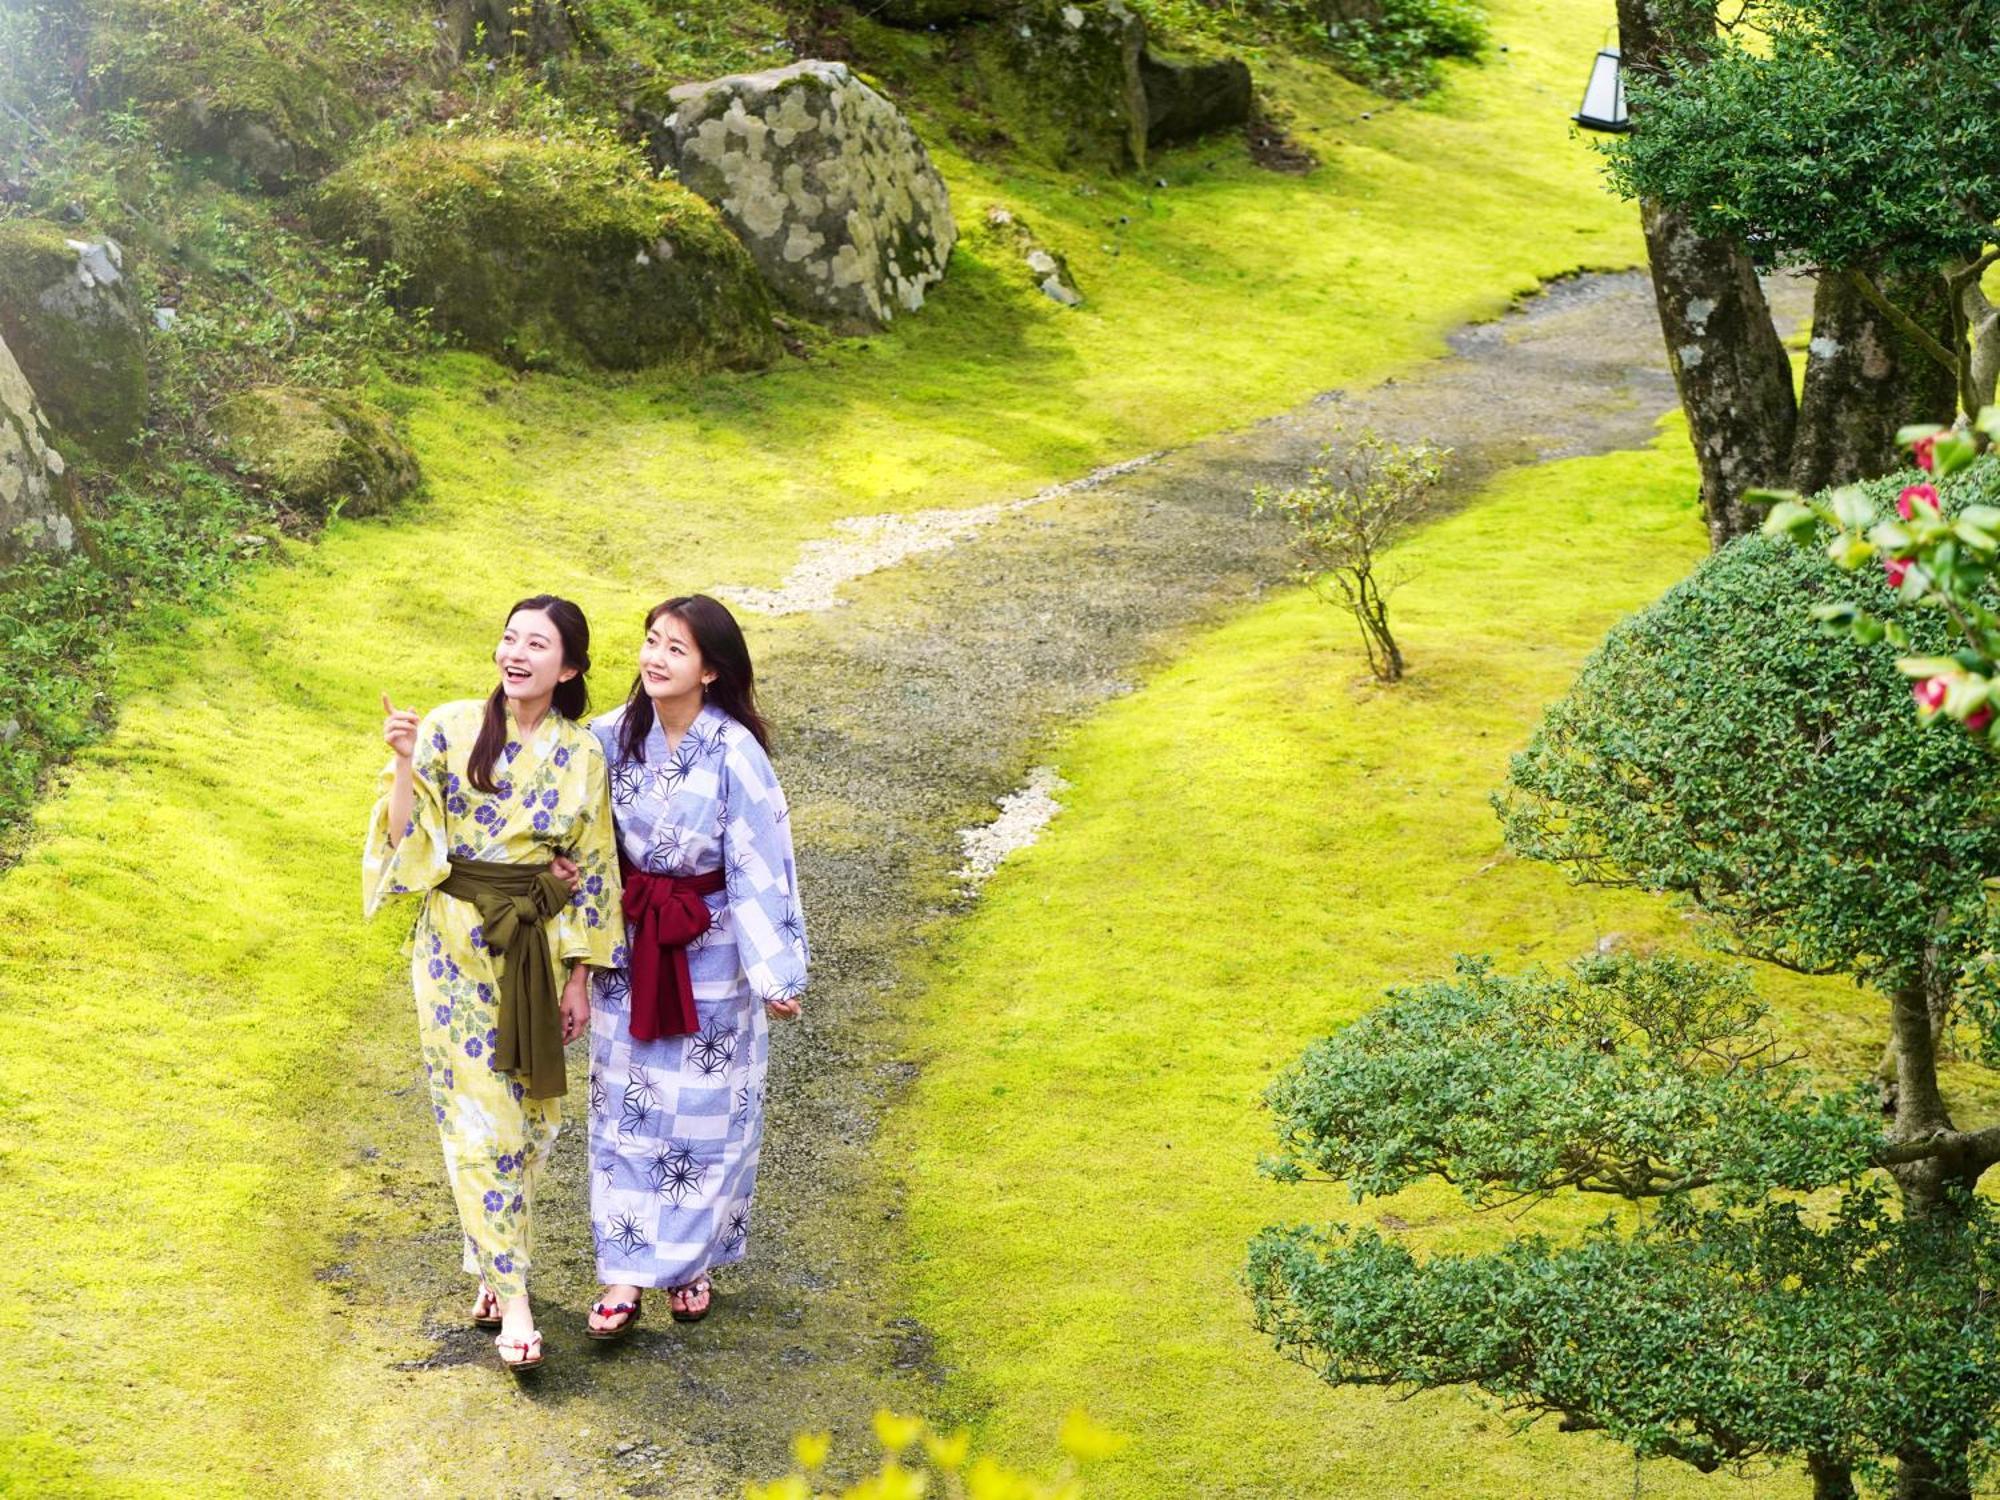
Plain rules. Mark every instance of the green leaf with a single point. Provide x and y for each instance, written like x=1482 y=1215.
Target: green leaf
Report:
x=1988 y=421
x=1835 y=614
x=1972 y=536
x=1953 y=451
x=1927 y=666
x=1851 y=506
x=1985 y=517
x=1908 y=435
x=1790 y=518
x=1890 y=536
x=1762 y=497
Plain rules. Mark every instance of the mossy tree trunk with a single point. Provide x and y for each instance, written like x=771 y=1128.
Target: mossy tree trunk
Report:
x=1934 y=1188
x=1865 y=378
x=1731 y=369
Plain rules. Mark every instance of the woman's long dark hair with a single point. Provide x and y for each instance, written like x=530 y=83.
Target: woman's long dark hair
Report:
x=572 y=699
x=719 y=639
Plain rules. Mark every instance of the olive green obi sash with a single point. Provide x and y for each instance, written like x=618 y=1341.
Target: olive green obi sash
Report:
x=516 y=903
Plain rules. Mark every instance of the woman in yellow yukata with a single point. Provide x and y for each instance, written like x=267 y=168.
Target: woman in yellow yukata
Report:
x=476 y=800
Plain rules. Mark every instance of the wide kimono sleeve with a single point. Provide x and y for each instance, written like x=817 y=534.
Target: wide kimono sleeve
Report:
x=592 y=927
x=763 y=882
x=421 y=858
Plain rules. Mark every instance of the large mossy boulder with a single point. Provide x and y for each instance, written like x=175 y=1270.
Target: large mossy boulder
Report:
x=823 y=180
x=1187 y=98
x=321 y=451
x=34 y=495
x=918 y=14
x=554 y=253
x=67 y=312
x=1063 y=75
x=267 y=112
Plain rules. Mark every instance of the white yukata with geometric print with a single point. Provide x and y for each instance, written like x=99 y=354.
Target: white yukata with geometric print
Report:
x=676 y=1124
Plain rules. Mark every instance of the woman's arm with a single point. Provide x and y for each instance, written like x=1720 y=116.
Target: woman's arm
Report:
x=399 y=728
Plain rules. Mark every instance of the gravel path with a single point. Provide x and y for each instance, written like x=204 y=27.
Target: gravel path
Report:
x=957 y=652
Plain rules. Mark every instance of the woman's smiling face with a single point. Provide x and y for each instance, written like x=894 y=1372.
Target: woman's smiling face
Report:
x=670 y=662
x=530 y=657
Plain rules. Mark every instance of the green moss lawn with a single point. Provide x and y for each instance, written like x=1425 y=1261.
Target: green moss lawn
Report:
x=1253 y=847
x=185 y=979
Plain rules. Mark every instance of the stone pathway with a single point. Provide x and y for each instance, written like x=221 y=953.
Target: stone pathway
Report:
x=902 y=716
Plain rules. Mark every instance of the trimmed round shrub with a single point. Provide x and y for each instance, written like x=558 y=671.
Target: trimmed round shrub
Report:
x=553 y=253
x=1723 y=746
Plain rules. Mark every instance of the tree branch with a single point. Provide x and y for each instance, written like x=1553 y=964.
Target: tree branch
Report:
x=1905 y=324
x=1980 y=1148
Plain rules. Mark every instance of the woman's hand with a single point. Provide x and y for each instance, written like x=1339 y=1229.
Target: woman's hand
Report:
x=564 y=869
x=782 y=1010
x=575 y=1007
x=399 y=728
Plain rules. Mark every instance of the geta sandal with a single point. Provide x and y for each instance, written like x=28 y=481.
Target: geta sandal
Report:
x=486 y=1311
x=623 y=1326
x=530 y=1351
x=682 y=1302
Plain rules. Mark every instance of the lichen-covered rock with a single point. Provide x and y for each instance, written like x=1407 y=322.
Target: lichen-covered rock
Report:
x=1063 y=75
x=323 y=451
x=1187 y=98
x=273 y=115
x=67 y=312
x=1044 y=267
x=34 y=496
x=554 y=253
x=823 y=180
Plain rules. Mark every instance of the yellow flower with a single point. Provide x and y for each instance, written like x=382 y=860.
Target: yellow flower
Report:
x=791 y=1487
x=986 y=1480
x=948 y=1452
x=1085 y=1440
x=896 y=1433
x=811 y=1448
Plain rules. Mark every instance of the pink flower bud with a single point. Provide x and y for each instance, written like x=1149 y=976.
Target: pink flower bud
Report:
x=1921 y=448
x=1915 y=495
x=1979 y=718
x=1930 y=694
x=1895 y=569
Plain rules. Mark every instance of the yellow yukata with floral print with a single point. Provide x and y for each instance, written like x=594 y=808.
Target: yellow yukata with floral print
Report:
x=550 y=797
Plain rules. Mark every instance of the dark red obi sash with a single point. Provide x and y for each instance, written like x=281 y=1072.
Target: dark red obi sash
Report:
x=663 y=914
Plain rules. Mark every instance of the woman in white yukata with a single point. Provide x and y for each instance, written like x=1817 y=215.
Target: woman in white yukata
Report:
x=678 y=1031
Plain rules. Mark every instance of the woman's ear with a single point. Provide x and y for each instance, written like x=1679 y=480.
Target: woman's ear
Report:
x=566 y=674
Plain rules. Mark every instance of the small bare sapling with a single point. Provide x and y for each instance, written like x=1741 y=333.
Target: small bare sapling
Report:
x=1356 y=500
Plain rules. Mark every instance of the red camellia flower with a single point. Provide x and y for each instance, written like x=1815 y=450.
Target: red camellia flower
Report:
x=1930 y=694
x=1922 y=449
x=1895 y=569
x=1979 y=718
x=1906 y=503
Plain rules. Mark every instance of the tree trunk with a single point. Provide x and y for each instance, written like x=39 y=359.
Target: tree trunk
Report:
x=1732 y=372
x=1734 y=378
x=1931 y=1189
x=1982 y=321
x=1832 y=1480
x=1864 y=379
x=1920 y=1478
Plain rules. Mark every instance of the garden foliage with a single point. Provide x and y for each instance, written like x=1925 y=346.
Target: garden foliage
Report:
x=1721 y=747
x=1810 y=1281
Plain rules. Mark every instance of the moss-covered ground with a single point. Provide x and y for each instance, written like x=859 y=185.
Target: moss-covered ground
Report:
x=1252 y=848
x=184 y=980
